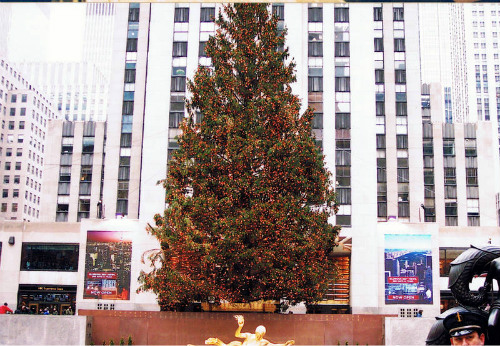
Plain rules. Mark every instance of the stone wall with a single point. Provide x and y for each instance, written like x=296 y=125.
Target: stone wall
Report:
x=407 y=331
x=179 y=328
x=44 y=330
x=168 y=328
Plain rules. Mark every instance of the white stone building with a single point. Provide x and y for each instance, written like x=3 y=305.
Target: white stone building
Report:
x=25 y=116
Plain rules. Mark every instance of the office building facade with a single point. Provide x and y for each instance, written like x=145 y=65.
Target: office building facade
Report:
x=25 y=113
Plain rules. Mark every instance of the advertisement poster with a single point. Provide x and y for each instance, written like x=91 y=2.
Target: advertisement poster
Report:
x=408 y=269
x=107 y=265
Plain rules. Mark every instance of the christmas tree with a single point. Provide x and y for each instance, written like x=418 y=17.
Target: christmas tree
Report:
x=248 y=196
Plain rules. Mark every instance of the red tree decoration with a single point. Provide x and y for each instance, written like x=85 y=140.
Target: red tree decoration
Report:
x=247 y=192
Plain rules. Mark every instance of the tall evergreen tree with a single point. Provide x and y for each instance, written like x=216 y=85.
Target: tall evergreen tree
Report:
x=248 y=196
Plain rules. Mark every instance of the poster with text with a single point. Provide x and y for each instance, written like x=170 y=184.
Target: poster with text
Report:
x=107 y=265
x=408 y=269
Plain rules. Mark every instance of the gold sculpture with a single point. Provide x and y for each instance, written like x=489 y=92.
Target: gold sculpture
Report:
x=256 y=339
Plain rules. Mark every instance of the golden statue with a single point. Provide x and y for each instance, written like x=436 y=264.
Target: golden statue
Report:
x=256 y=339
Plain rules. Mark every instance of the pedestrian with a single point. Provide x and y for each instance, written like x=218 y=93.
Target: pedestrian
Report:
x=4 y=309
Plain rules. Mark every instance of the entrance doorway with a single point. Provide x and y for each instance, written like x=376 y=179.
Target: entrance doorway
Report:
x=47 y=299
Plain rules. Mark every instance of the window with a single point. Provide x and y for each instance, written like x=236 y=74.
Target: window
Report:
x=207 y=14
x=378 y=44
x=448 y=147
x=19 y=152
x=4 y=207
x=400 y=76
x=86 y=174
x=122 y=207
x=68 y=129
x=398 y=14
x=24 y=98
x=342 y=121
x=377 y=14
x=133 y=14
x=403 y=209
x=181 y=15
x=450 y=209
x=399 y=44
x=344 y=220
x=446 y=256
x=380 y=141
x=48 y=257
x=128 y=108
x=471 y=176
x=201 y=49
x=315 y=84
x=131 y=45
x=85 y=188
x=17 y=179
x=315 y=48
x=88 y=145
x=179 y=49
x=379 y=76
x=13 y=98
x=5 y=193
x=18 y=166
x=178 y=84
x=14 y=207
x=175 y=119
x=342 y=84
x=12 y=112
x=21 y=125
x=15 y=193
x=122 y=189
x=428 y=177
x=342 y=49
x=401 y=109
x=130 y=76
x=126 y=140
x=450 y=191
x=65 y=174
x=317 y=121
x=279 y=11
x=315 y=14
x=6 y=179
x=380 y=108
x=381 y=170
x=343 y=196
x=402 y=141
x=342 y=14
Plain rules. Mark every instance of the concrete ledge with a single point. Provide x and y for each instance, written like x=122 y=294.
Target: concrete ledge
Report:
x=407 y=331
x=44 y=330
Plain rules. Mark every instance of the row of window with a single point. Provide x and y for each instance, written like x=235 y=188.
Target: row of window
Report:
x=181 y=14
x=127 y=118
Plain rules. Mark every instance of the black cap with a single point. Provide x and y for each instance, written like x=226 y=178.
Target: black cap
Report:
x=465 y=322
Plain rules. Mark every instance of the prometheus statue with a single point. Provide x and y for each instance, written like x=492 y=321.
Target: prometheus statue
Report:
x=256 y=339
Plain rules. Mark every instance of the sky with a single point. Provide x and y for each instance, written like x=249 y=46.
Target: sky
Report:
x=408 y=241
x=46 y=31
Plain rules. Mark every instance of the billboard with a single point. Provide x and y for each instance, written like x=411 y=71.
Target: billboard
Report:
x=107 y=265
x=408 y=269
